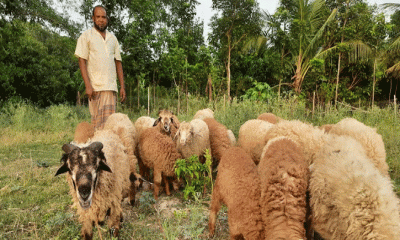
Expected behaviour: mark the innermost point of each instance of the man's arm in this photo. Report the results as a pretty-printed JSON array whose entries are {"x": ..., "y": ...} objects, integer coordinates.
[
  {"x": 120, "y": 74},
  {"x": 85, "y": 76}
]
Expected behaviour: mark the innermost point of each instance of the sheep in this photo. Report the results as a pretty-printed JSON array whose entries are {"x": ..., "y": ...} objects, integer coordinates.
[
  {"x": 158, "y": 152},
  {"x": 326, "y": 127},
  {"x": 350, "y": 198},
  {"x": 269, "y": 117},
  {"x": 167, "y": 122},
  {"x": 219, "y": 139},
  {"x": 121, "y": 125},
  {"x": 310, "y": 138},
  {"x": 193, "y": 139},
  {"x": 99, "y": 177},
  {"x": 141, "y": 124},
  {"x": 369, "y": 139},
  {"x": 83, "y": 132},
  {"x": 204, "y": 113},
  {"x": 231, "y": 137},
  {"x": 251, "y": 137},
  {"x": 238, "y": 187},
  {"x": 284, "y": 177}
]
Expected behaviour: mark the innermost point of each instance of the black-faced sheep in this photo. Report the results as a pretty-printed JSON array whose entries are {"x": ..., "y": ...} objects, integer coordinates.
[
  {"x": 238, "y": 187},
  {"x": 350, "y": 198},
  {"x": 251, "y": 137},
  {"x": 219, "y": 139},
  {"x": 158, "y": 152},
  {"x": 167, "y": 123},
  {"x": 369, "y": 139},
  {"x": 284, "y": 177},
  {"x": 204, "y": 113},
  {"x": 99, "y": 175},
  {"x": 269, "y": 117},
  {"x": 193, "y": 139}
]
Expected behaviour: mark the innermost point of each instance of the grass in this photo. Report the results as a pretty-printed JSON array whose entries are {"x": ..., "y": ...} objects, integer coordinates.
[{"x": 36, "y": 205}]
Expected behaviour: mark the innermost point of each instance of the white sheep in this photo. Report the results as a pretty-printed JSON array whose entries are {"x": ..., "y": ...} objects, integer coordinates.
[
  {"x": 369, "y": 139},
  {"x": 98, "y": 173},
  {"x": 350, "y": 198},
  {"x": 204, "y": 113},
  {"x": 193, "y": 138},
  {"x": 251, "y": 137},
  {"x": 158, "y": 152},
  {"x": 231, "y": 137}
]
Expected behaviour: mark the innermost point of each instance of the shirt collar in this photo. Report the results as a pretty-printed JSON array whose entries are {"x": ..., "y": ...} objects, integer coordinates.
[{"x": 97, "y": 32}]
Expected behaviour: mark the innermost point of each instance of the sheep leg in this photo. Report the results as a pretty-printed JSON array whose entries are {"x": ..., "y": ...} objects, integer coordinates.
[
  {"x": 157, "y": 182},
  {"x": 215, "y": 207},
  {"x": 166, "y": 182},
  {"x": 114, "y": 222},
  {"x": 87, "y": 230},
  {"x": 132, "y": 190}
]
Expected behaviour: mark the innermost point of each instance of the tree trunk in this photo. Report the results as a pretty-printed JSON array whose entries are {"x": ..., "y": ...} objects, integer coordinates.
[
  {"x": 228, "y": 69},
  {"x": 337, "y": 79},
  {"x": 209, "y": 87},
  {"x": 373, "y": 83},
  {"x": 138, "y": 92},
  {"x": 297, "y": 76}
]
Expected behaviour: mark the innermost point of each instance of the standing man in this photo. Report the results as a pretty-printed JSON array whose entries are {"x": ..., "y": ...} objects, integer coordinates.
[{"x": 100, "y": 64}]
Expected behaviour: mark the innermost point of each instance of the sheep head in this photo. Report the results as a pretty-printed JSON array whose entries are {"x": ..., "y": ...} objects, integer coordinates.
[
  {"x": 185, "y": 133},
  {"x": 166, "y": 118},
  {"x": 84, "y": 165}
]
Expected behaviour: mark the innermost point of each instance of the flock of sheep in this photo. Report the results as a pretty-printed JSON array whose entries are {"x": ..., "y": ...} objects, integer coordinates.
[{"x": 281, "y": 179}]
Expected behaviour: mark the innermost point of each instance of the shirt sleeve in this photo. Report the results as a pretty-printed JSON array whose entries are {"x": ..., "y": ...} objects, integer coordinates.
[
  {"x": 117, "y": 52},
  {"x": 82, "y": 47}
]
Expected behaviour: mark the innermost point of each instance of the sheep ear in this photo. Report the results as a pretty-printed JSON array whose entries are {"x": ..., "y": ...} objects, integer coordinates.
[
  {"x": 103, "y": 166},
  {"x": 68, "y": 148},
  {"x": 64, "y": 168},
  {"x": 156, "y": 121}
]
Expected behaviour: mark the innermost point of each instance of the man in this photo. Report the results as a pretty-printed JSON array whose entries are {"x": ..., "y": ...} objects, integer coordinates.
[{"x": 100, "y": 64}]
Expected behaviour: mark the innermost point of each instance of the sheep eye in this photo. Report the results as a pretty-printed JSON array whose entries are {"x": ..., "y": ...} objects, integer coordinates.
[{"x": 172, "y": 120}]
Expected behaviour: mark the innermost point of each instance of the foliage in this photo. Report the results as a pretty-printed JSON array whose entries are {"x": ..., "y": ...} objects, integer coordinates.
[
  {"x": 260, "y": 92},
  {"x": 195, "y": 174}
]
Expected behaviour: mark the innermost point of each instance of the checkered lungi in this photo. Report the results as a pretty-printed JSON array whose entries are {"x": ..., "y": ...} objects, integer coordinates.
[{"x": 101, "y": 106}]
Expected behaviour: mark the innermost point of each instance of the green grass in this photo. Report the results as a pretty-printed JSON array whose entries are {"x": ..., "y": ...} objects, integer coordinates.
[{"x": 36, "y": 205}]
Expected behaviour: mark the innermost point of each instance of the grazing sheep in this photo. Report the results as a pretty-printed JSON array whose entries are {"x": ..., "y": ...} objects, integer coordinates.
[
  {"x": 158, "y": 152},
  {"x": 251, "y": 137},
  {"x": 284, "y": 177},
  {"x": 141, "y": 124},
  {"x": 369, "y": 139},
  {"x": 193, "y": 139},
  {"x": 99, "y": 177},
  {"x": 238, "y": 187},
  {"x": 310, "y": 138},
  {"x": 269, "y": 117},
  {"x": 219, "y": 139},
  {"x": 231, "y": 137},
  {"x": 167, "y": 122},
  {"x": 350, "y": 198},
  {"x": 326, "y": 127},
  {"x": 204, "y": 113},
  {"x": 83, "y": 132},
  {"x": 121, "y": 125}
]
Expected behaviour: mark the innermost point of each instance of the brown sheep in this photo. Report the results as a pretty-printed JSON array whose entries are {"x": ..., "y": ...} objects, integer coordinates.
[
  {"x": 238, "y": 187},
  {"x": 158, "y": 152},
  {"x": 167, "y": 123},
  {"x": 284, "y": 175},
  {"x": 219, "y": 139},
  {"x": 269, "y": 117},
  {"x": 83, "y": 132}
]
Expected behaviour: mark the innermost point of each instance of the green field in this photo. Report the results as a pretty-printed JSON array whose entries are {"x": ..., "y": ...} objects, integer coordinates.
[{"x": 36, "y": 205}]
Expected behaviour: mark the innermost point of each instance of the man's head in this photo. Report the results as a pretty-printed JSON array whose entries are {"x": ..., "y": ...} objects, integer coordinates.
[{"x": 100, "y": 19}]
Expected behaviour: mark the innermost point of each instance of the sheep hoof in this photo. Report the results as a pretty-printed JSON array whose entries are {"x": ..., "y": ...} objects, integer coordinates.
[
  {"x": 132, "y": 202},
  {"x": 114, "y": 232}
]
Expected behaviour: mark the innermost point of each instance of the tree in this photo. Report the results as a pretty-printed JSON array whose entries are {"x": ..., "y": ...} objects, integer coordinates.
[{"x": 235, "y": 21}]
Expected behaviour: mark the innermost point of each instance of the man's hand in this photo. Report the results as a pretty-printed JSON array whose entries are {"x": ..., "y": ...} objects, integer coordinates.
[
  {"x": 122, "y": 94},
  {"x": 89, "y": 92}
]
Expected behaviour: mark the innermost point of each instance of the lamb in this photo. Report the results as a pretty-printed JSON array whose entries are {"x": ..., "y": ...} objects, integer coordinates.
[
  {"x": 158, "y": 152},
  {"x": 251, "y": 137},
  {"x": 219, "y": 140},
  {"x": 193, "y": 139},
  {"x": 238, "y": 187},
  {"x": 204, "y": 113},
  {"x": 350, "y": 198},
  {"x": 167, "y": 122},
  {"x": 83, "y": 132},
  {"x": 369, "y": 139},
  {"x": 269, "y": 117},
  {"x": 99, "y": 177},
  {"x": 310, "y": 138},
  {"x": 284, "y": 175}
]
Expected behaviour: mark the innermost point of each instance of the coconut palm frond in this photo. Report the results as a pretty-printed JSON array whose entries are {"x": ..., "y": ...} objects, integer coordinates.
[
  {"x": 393, "y": 6},
  {"x": 255, "y": 43},
  {"x": 395, "y": 69},
  {"x": 360, "y": 50},
  {"x": 324, "y": 54}
]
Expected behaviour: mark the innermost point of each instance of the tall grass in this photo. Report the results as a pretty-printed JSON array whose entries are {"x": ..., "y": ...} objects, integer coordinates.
[{"x": 35, "y": 205}]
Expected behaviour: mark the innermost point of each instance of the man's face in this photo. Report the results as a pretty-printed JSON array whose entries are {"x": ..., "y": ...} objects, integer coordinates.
[{"x": 100, "y": 19}]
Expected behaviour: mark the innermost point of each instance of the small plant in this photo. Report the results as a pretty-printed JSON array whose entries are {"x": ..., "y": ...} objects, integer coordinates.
[{"x": 196, "y": 175}]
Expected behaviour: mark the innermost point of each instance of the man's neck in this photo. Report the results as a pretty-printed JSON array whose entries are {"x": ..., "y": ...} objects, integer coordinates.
[{"x": 102, "y": 33}]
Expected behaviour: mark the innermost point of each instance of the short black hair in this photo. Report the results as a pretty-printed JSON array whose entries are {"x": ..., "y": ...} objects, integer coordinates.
[{"x": 97, "y": 7}]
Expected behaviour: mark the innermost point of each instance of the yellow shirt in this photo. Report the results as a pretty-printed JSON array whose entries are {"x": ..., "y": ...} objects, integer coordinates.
[{"x": 100, "y": 54}]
